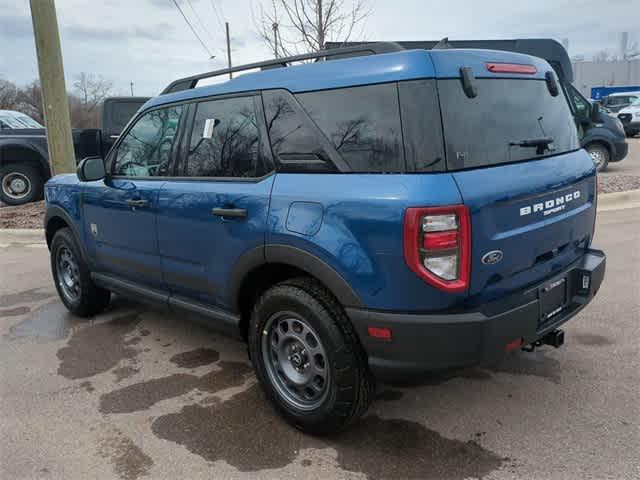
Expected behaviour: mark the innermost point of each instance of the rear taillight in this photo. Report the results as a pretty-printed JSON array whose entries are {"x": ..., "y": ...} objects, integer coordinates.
[{"x": 437, "y": 245}]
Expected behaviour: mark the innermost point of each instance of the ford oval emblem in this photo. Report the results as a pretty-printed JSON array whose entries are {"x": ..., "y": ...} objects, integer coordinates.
[{"x": 492, "y": 257}]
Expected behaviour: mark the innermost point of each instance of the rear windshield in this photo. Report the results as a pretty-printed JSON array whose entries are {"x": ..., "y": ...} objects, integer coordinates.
[{"x": 508, "y": 121}]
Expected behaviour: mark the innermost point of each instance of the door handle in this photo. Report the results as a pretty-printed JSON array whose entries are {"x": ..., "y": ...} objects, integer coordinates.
[
  {"x": 230, "y": 212},
  {"x": 138, "y": 203}
]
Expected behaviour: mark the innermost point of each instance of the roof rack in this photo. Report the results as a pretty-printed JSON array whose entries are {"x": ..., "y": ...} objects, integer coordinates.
[{"x": 376, "y": 48}]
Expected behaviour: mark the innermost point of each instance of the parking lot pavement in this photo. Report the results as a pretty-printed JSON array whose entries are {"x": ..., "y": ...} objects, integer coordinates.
[
  {"x": 139, "y": 393},
  {"x": 630, "y": 165}
]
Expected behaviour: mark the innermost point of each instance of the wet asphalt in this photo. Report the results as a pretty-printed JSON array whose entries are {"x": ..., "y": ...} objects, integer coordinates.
[{"x": 141, "y": 393}]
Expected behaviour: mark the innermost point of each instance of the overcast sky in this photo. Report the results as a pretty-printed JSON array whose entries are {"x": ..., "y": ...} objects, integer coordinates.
[{"x": 149, "y": 43}]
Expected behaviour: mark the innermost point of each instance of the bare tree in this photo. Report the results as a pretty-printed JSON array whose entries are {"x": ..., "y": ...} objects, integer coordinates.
[
  {"x": 92, "y": 89},
  {"x": 8, "y": 95},
  {"x": 295, "y": 26},
  {"x": 30, "y": 101}
]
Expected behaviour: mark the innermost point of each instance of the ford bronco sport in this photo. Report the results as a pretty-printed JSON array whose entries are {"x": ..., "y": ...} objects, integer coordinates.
[{"x": 384, "y": 215}]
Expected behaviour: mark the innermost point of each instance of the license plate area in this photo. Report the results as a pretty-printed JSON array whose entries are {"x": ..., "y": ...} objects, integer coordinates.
[{"x": 553, "y": 298}]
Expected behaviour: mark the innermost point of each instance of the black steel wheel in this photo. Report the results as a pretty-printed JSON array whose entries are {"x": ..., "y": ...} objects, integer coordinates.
[
  {"x": 308, "y": 358},
  {"x": 72, "y": 278}
]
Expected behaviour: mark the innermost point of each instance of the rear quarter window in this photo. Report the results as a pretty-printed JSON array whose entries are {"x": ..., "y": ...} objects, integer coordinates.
[
  {"x": 362, "y": 123},
  {"x": 485, "y": 130}
]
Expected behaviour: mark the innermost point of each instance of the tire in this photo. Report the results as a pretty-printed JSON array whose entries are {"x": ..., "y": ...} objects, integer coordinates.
[
  {"x": 600, "y": 156},
  {"x": 20, "y": 183},
  {"x": 347, "y": 387},
  {"x": 72, "y": 279}
]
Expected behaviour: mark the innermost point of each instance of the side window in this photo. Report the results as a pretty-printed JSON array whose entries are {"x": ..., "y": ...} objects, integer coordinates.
[
  {"x": 422, "y": 126},
  {"x": 582, "y": 106},
  {"x": 145, "y": 150},
  {"x": 293, "y": 139},
  {"x": 225, "y": 140},
  {"x": 362, "y": 123}
]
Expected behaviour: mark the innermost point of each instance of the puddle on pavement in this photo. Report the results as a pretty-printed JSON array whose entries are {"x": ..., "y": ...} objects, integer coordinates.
[
  {"x": 124, "y": 372},
  {"x": 141, "y": 396},
  {"x": 195, "y": 358},
  {"x": 246, "y": 433},
  {"x": 129, "y": 461},
  {"x": 26, "y": 296},
  {"x": 13, "y": 312},
  {"x": 51, "y": 321},
  {"x": 98, "y": 348},
  {"x": 536, "y": 363}
]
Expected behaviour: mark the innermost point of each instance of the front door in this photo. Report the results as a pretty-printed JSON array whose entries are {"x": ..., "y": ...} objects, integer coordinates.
[
  {"x": 120, "y": 211},
  {"x": 215, "y": 210}
]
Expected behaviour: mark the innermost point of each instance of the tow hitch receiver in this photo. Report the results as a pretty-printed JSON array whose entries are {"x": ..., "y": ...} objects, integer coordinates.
[{"x": 554, "y": 338}]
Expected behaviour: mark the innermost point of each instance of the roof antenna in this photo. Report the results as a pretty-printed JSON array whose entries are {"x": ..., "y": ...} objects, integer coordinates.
[{"x": 442, "y": 44}]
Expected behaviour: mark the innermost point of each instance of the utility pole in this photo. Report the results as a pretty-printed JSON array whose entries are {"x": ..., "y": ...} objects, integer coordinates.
[
  {"x": 275, "y": 39},
  {"x": 54, "y": 91},
  {"x": 131, "y": 85},
  {"x": 226, "y": 26}
]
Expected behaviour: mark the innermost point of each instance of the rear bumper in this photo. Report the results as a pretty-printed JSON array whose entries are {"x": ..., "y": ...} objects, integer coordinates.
[
  {"x": 429, "y": 342},
  {"x": 633, "y": 126}
]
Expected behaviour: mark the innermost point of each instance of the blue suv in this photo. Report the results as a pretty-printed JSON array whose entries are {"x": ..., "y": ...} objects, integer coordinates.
[{"x": 379, "y": 212}]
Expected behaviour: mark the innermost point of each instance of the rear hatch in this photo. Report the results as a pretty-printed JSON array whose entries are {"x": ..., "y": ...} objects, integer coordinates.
[{"x": 513, "y": 150}]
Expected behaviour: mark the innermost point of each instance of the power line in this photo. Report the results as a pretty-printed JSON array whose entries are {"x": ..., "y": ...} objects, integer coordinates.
[
  {"x": 193, "y": 29},
  {"x": 215, "y": 10},
  {"x": 205, "y": 29}
]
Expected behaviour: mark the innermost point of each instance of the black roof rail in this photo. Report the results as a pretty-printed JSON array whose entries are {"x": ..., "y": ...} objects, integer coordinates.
[{"x": 375, "y": 48}]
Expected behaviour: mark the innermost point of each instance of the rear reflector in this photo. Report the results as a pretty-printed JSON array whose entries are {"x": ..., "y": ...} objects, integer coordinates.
[
  {"x": 511, "y": 68},
  {"x": 513, "y": 345},
  {"x": 380, "y": 333}
]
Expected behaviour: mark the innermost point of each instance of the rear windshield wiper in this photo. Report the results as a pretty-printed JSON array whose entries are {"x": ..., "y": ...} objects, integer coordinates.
[{"x": 541, "y": 144}]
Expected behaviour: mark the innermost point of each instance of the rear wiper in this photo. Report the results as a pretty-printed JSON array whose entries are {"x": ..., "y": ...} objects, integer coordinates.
[{"x": 541, "y": 144}]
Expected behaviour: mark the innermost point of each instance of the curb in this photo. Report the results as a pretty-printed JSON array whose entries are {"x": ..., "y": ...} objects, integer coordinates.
[
  {"x": 619, "y": 200},
  {"x": 30, "y": 237}
]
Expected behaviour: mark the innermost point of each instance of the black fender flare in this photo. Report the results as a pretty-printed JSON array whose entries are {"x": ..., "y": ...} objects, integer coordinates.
[
  {"x": 54, "y": 211},
  {"x": 43, "y": 155},
  {"x": 294, "y": 257}
]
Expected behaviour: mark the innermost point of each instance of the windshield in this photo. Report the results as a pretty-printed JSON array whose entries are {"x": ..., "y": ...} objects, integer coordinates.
[
  {"x": 18, "y": 120},
  {"x": 509, "y": 120}
]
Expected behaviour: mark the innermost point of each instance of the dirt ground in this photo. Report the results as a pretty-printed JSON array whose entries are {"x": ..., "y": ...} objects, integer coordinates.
[{"x": 30, "y": 215}]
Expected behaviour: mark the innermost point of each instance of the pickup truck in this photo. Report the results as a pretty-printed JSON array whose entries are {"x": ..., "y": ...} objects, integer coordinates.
[{"x": 24, "y": 157}]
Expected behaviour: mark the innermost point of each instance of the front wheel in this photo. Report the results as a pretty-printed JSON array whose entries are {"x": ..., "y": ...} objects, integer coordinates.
[
  {"x": 72, "y": 278},
  {"x": 600, "y": 156},
  {"x": 308, "y": 358}
]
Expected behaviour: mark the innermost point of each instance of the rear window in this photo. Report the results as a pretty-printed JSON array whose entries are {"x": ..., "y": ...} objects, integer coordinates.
[{"x": 500, "y": 123}]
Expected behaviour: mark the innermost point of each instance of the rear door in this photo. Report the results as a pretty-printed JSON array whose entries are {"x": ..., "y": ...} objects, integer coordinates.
[
  {"x": 120, "y": 211},
  {"x": 215, "y": 207},
  {"x": 514, "y": 153}
]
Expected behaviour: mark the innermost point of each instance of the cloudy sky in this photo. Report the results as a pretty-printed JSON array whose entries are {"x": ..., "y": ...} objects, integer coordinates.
[{"x": 147, "y": 42}]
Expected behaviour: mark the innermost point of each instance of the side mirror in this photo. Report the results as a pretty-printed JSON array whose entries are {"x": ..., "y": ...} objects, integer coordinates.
[
  {"x": 91, "y": 169},
  {"x": 595, "y": 112}
]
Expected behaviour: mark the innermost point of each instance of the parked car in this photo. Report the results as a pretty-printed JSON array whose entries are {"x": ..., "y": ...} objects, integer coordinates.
[
  {"x": 381, "y": 216},
  {"x": 24, "y": 157},
  {"x": 617, "y": 101},
  {"x": 600, "y": 134},
  {"x": 630, "y": 118}
]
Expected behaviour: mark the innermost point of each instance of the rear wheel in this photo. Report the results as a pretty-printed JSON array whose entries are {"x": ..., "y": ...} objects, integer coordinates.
[
  {"x": 72, "y": 278},
  {"x": 308, "y": 358},
  {"x": 600, "y": 156},
  {"x": 20, "y": 183}
]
